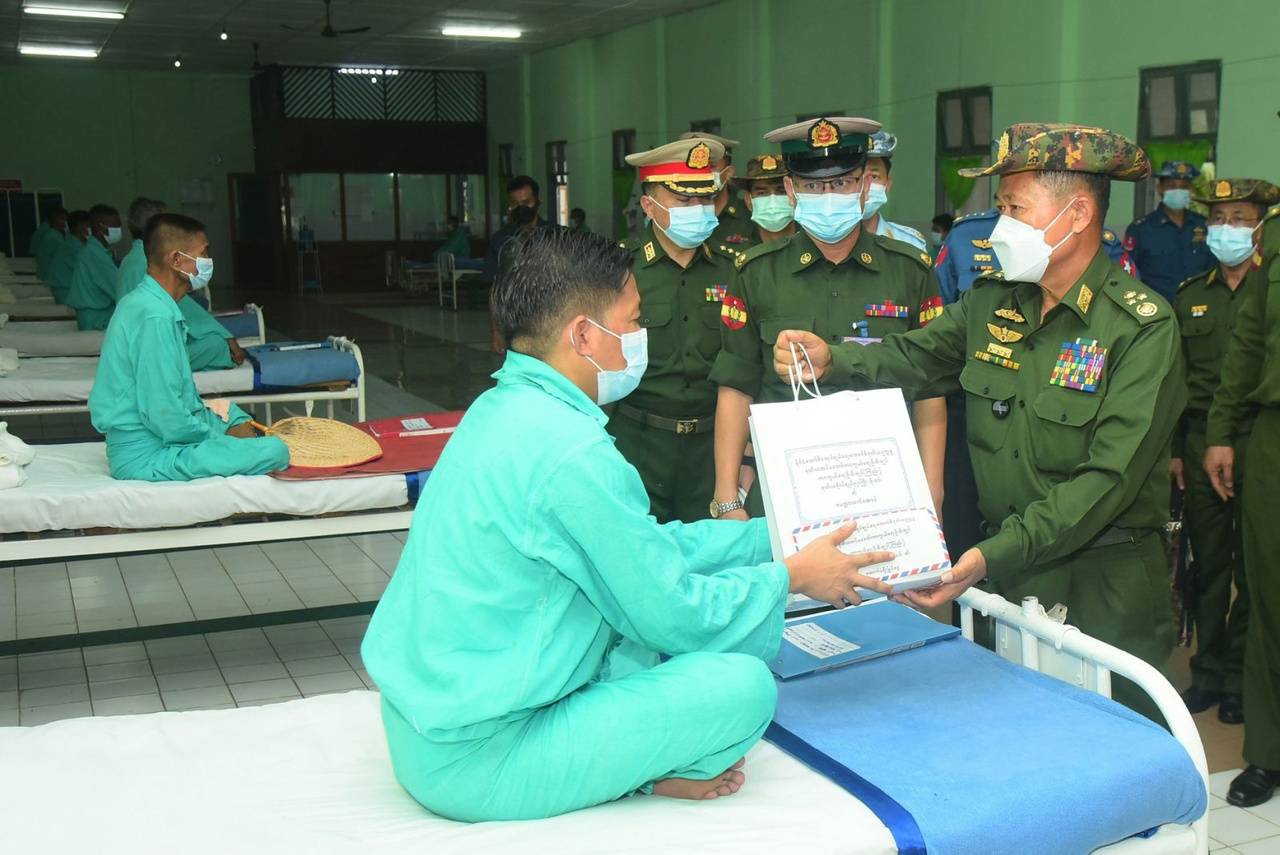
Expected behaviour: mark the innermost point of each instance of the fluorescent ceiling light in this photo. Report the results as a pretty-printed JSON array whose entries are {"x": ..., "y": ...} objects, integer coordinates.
[
  {"x": 74, "y": 12},
  {"x": 58, "y": 50},
  {"x": 477, "y": 32}
]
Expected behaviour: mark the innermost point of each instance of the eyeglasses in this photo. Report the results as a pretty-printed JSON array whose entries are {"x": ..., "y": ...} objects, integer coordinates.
[
  {"x": 843, "y": 184},
  {"x": 1238, "y": 220}
]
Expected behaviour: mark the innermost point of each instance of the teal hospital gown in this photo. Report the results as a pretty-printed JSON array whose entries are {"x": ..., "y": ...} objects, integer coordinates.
[
  {"x": 206, "y": 338},
  {"x": 93, "y": 286},
  {"x": 144, "y": 400},
  {"x": 45, "y": 244},
  {"x": 517, "y": 645},
  {"x": 62, "y": 267}
]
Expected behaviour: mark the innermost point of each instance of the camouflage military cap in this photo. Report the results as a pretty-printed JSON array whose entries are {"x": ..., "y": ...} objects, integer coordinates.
[
  {"x": 1044, "y": 146},
  {"x": 1240, "y": 190},
  {"x": 762, "y": 168},
  {"x": 1178, "y": 169}
]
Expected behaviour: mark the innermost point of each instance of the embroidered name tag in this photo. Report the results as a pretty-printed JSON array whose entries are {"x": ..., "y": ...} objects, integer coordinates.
[
  {"x": 887, "y": 310},
  {"x": 1079, "y": 365}
]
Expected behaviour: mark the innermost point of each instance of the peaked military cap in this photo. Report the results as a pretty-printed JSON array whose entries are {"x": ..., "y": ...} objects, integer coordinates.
[
  {"x": 825, "y": 147},
  {"x": 1049, "y": 146},
  {"x": 762, "y": 168},
  {"x": 684, "y": 166},
  {"x": 727, "y": 143}
]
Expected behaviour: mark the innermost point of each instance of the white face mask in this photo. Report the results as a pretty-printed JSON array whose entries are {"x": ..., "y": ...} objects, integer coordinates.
[
  {"x": 1022, "y": 250},
  {"x": 114, "y": 233},
  {"x": 613, "y": 386}
]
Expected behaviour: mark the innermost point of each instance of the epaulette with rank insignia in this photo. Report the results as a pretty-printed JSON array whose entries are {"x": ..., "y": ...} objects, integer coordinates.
[
  {"x": 732, "y": 253},
  {"x": 1192, "y": 279},
  {"x": 1144, "y": 305},
  {"x": 631, "y": 244},
  {"x": 904, "y": 248},
  {"x": 761, "y": 249},
  {"x": 991, "y": 277}
]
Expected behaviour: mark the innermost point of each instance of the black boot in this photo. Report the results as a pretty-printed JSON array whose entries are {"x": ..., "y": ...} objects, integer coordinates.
[
  {"x": 1230, "y": 709},
  {"x": 1198, "y": 700},
  {"x": 1253, "y": 786}
]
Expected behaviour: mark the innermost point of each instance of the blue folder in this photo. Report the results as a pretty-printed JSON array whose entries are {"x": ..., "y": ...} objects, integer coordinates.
[{"x": 875, "y": 629}]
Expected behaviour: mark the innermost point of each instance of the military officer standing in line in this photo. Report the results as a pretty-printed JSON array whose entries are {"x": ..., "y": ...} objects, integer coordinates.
[
  {"x": 1074, "y": 383},
  {"x": 1206, "y": 307},
  {"x": 1168, "y": 245},
  {"x": 1250, "y": 387},
  {"x": 833, "y": 278},
  {"x": 879, "y": 165},
  {"x": 734, "y": 228},
  {"x": 665, "y": 428},
  {"x": 765, "y": 195}
]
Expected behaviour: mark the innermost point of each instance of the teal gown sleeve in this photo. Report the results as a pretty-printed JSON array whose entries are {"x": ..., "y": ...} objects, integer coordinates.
[
  {"x": 207, "y": 348},
  {"x": 709, "y": 545},
  {"x": 594, "y": 524}
]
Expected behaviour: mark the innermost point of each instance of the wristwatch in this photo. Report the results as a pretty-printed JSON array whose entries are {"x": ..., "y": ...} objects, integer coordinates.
[{"x": 718, "y": 509}]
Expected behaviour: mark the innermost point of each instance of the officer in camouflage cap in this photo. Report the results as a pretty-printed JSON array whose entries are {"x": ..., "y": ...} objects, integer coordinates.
[
  {"x": 1206, "y": 307},
  {"x": 665, "y": 427},
  {"x": 1250, "y": 393},
  {"x": 1073, "y": 379},
  {"x": 735, "y": 230},
  {"x": 765, "y": 195}
]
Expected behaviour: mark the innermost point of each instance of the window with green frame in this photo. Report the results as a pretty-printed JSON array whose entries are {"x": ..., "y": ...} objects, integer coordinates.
[
  {"x": 964, "y": 140},
  {"x": 1177, "y": 119}
]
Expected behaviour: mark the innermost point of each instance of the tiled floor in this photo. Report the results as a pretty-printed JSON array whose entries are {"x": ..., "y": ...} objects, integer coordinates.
[{"x": 1241, "y": 831}]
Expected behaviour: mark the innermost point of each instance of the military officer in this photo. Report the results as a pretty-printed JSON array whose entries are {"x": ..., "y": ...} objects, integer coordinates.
[
  {"x": 1168, "y": 245},
  {"x": 765, "y": 195},
  {"x": 834, "y": 278},
  {"x": 1073, "y": 376},
  {"x": 666, "y": 427},
  {"x": 879, "y": 164},
  {"x": 1250, "y": 387},
  {"x": 1206, "y": 308},
  {"x": 735, "y": 228}
]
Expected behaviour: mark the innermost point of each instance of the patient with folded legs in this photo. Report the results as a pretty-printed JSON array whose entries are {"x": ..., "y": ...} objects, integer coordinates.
[{"x": 545, "y": 645}]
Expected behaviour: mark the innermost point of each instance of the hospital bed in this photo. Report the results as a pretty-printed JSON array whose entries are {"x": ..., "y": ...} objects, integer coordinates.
[
  {"x": 22, "y": 290},
  {"x": 64, "y": 338},
  {"x": 314, "y": 775},
  {"x": 37, "y": 310},
  {"x": 53, "y": 385}
]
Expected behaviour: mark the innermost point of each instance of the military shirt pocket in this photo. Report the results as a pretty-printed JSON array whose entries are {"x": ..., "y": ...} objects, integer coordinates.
[
  {"x": 989, "y": 393},
  {"x": 771, "y": 328},
  {"x": 1194, "y": 327},
  {"x": 1064, "y": 428},
  {"x": 656, "y": 318}
]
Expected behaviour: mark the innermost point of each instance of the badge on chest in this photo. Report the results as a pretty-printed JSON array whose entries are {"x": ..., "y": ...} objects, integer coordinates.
[
  {"x": 1199, "y": 311},
  {"x": 1079, "y": 365},
  {"x": 716, "y": 293}
]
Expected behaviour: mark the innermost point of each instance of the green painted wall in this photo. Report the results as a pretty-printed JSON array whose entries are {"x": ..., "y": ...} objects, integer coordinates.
[
  {"x": 109, "y": 136},
  {"x": 755, "y": 64}
]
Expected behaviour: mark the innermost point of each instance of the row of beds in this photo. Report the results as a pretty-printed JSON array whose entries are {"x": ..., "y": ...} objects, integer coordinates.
[{"x": 314, "y": 775}]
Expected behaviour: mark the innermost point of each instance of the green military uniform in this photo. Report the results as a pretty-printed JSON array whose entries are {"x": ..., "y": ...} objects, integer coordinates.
[
  {"x": 735, "y": 232},
  {"x": 769, "y": 170},
  {"x": 666, "y": 427},
  {"x": 1251, "y": 382},
  {"x": 1069, "y": 419}
]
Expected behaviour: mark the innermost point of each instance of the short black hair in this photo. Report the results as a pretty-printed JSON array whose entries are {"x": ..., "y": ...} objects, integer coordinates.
[
  {"x": 554, "y": 275},
  {"x": 578, "y": 212},
  {"x": 944, "y": 221},
  {"x": 100, "y": 212},
  {"x": 164, "y": 229},
  {"x": 55, "y": 211},
  {"x": 1064, "y": 182},
  {"x": 76, "y": 219},
  {"x": 522, "y": 181}
]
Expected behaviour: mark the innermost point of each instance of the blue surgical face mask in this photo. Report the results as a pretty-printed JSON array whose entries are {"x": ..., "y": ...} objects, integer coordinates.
[
  {"x": 690, "y": 225},
  {"x": 1230, "y": 244},
  {"x": 829, "y": 217},
  {"x": 204, "y": 272},
  {"x": 772, "y": 213},
  {"x": 876, "y": 197},
  {"x": 1176, "y": 200},
  {"x": 613, "y": 386}
]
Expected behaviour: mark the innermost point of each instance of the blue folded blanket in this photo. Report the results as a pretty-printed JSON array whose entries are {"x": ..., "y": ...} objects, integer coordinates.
[
  {"x": 289, "y": 364},
  {"x": 959, "y": 751},
  {"x": 240, "y": 325}
]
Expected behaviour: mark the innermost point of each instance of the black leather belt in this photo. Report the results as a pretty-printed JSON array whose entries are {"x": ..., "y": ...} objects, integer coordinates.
[{"x": 682, "y": 427}]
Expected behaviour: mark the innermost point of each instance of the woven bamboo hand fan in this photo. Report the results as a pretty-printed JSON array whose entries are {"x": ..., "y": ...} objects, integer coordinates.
[{"x": 323, "y": 443}]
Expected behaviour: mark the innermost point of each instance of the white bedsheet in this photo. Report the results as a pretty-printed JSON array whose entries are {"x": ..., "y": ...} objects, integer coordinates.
[
  {"x": 62, "y": 379},
  {"x": 34, "y": 291},
  {"x": 36, "y": 339},
  {"x": 314, "y": 776},
  {"x": 70, "y": 487},
  {"x": 36, "y": 309}
]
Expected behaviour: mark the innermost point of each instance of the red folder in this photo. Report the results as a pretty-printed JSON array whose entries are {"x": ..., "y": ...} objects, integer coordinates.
[{"x": 407, "y": 446}]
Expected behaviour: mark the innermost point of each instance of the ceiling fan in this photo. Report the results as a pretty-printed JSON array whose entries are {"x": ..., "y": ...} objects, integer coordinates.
[{"x": 328, "y": 32}]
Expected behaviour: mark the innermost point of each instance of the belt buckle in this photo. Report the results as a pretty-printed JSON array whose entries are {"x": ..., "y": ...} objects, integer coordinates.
[{"x": 686, "y": 426}]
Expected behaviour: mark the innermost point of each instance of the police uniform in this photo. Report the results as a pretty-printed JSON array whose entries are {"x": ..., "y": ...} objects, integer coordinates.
[
  {"x": 1206, "y": 308},
  {"x": 881, "y": 144},
  {"x": 1069, "y": 418},
  {"x": 666, "y": 427},
  {"x": 736, "y": 232},
  {"x": 764, "y": 167},
  {"x": 1250, "y": 388},
  {"x": 1166, "y": 253},
  {"x": 882, "y": 287}
]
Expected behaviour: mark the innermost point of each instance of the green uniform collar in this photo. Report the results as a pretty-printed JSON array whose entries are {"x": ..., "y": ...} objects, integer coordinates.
[
  {"x": 805, "y": 253},
  {"x": 1082, "y": 296},
  {"x": 651, "y": 251},
  {"x": 520, "y": 368}
]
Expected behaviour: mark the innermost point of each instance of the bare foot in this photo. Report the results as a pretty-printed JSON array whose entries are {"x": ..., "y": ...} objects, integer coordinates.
[{"x": 725, "y": 784}]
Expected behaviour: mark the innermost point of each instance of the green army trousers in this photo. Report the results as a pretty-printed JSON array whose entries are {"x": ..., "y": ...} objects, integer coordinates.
[
  {"x": 1262, "y": 569},
  {"x": 678, "y": 470},
  {"x": 1215, "y": 530},
  {"x": 1118, "y": 594}
]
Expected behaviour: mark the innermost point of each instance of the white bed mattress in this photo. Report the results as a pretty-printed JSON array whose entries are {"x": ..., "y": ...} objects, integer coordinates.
[
  {"x": 69, "y": 379},
  {"x": 314, "y": 776},
  {"x": 22, "y": 291},
  {"x": 70, "y": 487},
  {"x": 34, "y": 339}
]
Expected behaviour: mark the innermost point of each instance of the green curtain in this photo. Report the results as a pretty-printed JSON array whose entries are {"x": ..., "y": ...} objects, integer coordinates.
[{"x": 957, "y": 186}]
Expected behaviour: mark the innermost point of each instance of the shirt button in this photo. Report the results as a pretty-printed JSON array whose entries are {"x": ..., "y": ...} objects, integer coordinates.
[
  {"x": 1015, "y": 454},
  {"x": 1022, "y": 403},
  {"x": 986, "y": 390},
  {"x": 1063, "y": 417},
  {"x": 1031, "y": 347},
  {"x": 1012, "y": 509},
  {"x": 835, "y": 338},
  {"x": 686, "y": 317}
]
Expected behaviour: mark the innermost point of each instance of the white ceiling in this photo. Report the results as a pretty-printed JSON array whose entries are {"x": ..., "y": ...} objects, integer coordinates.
[{"x": 404, "y": 32}]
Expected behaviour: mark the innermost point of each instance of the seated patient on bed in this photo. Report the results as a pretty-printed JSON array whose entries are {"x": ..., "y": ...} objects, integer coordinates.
[
  {"x": 93, "y": 282},
  {"x": 517, "y": 646},
  {"x": 144, "y": 398},
  {"x": 209, "y": 346}
]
